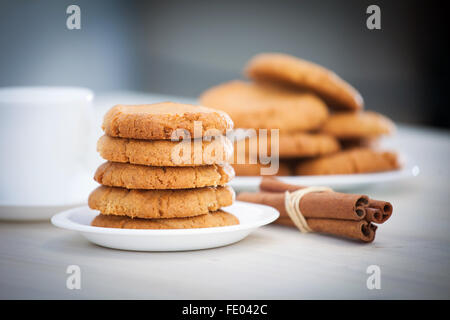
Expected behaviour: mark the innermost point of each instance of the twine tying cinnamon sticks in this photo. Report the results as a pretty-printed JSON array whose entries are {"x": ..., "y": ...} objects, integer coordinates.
[
  {"x": 292, "y": 205},
  {"x": 341, "y": 214}
]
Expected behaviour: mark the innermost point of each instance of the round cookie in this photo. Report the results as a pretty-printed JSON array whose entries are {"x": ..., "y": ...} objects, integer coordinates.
[
  {"x": 253, "y": 105},
  {"x": 298, "y": 144},
  {"x": 160, "y": 203},
  {"x": 164, "y": 153},
  {"x": 214, "y": 219},
  {"x": 161, "y": 120},
  {"x": 255, "y": 169},
  {"x": 290, "y": 145},
  {"x": 358, "y": 160},
  {"x": 133, "y": 176},
  {"x": 357, "y": 125},
  {"x": 283, "y": 68}
]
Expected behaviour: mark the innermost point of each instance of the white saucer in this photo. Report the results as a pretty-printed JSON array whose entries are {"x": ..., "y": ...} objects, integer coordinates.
[
  {"x": 339, "y": 182},
  {"x": 251, "y": 216}
]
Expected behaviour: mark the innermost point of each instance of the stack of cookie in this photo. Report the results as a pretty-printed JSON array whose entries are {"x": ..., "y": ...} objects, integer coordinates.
[
  {"x": 358, "y": 133},
  {"x": 297, "y": 115},
  {"x": 317, "y": 113},
  {"x": 161, "y": 171}
]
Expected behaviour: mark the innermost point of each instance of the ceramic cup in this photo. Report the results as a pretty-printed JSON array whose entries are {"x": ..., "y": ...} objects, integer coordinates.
[{"x": 45, "y": 141}]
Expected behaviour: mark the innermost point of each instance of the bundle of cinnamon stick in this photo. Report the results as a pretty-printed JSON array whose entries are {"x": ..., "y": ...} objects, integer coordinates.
[{"x": 341, "y": 214}]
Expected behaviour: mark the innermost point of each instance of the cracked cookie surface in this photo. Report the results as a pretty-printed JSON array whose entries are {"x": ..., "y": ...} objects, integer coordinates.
[{"x": 161, "y": 120}]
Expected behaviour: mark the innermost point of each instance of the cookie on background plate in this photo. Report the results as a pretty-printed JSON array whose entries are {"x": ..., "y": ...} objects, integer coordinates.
[
  {"x": 255, "y": 169},
  {"x": 164, "y": 153},
  {"x": 358, "y": 160},
  {"x": 214, "y": 219},
  {"x": 133, "y": 176},
  {"x": 160, "y": 203},
  {"x": 283, "y": 68},
  {"x": 351, "y": 143},
  {"x": 357, "y": 125},
  {"x": 160, "y": 120},
  {"x": 253, "y": 105},
  {"x": 293, "y": 144}
]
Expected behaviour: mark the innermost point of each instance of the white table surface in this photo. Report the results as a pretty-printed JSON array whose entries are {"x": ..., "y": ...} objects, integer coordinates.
[{"x": 412, "y": 250}]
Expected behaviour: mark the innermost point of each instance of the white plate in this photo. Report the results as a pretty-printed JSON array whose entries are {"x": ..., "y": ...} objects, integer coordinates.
[
  {"x": 339, "y": 182},
  {"x": 251, "y": 216}
]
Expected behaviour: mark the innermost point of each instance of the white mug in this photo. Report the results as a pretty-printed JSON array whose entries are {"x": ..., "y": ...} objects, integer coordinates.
[{"x": 45, "y": 141}]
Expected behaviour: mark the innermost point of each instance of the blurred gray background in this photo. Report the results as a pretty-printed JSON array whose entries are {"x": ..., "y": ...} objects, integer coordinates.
[{"x": 184, "y": 47}]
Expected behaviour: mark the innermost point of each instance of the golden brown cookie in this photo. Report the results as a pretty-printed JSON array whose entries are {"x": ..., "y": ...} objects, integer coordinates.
[
  {"x": 356, "y": 125},
  {"x": 134, "y": 176},
  {"x": 359, "y": 160},
  {"x": 294, "y": 144},
  {"x": 290, "y": 145},
  {"x": 252, "y": 105},
  {"x": 160, "y": 120},
  {"x": 255, "y": 169},
  {"x": 283, "y": 68},
  {"x": 371, "y": 143},
  {"x": 164, "y": 153},
  {"x": 160, "y": 203},
  {"x": 298, "y": 144},
  {"x": 214, "y": 219}
]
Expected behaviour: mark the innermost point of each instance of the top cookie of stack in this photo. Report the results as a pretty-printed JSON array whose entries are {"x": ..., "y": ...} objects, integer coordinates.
[{"x": 162, "y": 180}]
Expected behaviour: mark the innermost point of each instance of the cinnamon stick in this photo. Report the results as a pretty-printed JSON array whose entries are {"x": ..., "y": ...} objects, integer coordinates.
[
  {"x": 376, "y": 211},
  {"x": 379, "y": 211},
  {"x": 340, "y": 214},
  {"x": 358, "y": 230},
  {"x": 331, "y": 205}
]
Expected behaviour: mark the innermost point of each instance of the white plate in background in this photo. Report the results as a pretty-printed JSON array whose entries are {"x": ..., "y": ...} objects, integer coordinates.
[
  {"x": 251, "y": 216},
  {"x": 339, "y": 182}
]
